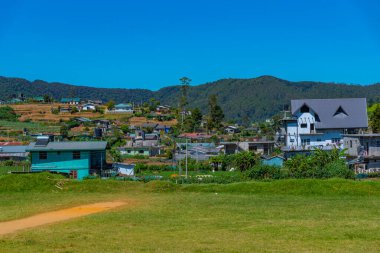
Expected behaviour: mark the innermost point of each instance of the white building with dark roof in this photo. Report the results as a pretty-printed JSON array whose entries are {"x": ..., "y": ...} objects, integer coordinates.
[{"x": 322, "y": 122}]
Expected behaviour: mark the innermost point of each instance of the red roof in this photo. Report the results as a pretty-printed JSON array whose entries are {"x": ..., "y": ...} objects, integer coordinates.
[
  {"x": 11, "y": 143},
  {"x": 195, "y": 135}
]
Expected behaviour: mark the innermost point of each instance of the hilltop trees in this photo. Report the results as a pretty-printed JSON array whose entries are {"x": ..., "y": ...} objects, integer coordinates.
[
  {"x": 374, "y": 117},
  {"x": 216, "y": 114},
  {"x": 193, "y": 121},
  {"x": 185, "y": 84}
]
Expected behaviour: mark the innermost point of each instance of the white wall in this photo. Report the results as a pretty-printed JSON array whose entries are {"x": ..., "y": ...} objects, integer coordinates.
[{"x": 296, "y": 135}]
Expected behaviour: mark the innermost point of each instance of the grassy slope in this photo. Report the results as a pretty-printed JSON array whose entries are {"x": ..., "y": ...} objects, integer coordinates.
[{"x": 284, "y": 216}]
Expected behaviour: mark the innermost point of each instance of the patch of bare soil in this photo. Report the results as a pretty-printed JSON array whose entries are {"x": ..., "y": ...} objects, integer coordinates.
[{"x": 56, "y": 216}]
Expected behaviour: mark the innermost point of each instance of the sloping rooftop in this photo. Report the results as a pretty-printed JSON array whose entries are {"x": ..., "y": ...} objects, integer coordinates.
[
  {"x": 67, "y": 100},
  {"x": 336, "y": 113},
  {"x": 69, "y": 145},
  {"x": 123, "y": 106},
  {"x": 13, "y": 149}
]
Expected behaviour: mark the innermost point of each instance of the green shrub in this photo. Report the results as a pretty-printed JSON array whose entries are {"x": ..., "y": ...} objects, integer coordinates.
[
  {"x": 7, "y": 113},
  {"x": 320, "y": 164},
  {"x": 339, "y": 169},
  {"x": 9, "y": 163},
  {"x": 373, "y": 174},
  {"x": 140, "y": 167},
  {"x": 263, "y": 171}
]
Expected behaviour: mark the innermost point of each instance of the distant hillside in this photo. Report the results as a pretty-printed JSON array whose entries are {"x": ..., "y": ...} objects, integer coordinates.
[{"x": 256, "y": 98}]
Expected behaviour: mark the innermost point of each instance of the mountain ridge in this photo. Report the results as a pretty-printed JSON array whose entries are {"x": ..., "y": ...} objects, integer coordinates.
[{"x": 241, "y": 99}]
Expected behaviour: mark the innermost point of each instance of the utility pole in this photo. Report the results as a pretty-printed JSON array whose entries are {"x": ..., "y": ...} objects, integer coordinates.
[{"x": 186, "y": 158}]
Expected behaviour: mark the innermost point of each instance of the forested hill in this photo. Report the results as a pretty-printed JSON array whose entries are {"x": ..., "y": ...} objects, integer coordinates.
[{"x": 256, "y": 98}]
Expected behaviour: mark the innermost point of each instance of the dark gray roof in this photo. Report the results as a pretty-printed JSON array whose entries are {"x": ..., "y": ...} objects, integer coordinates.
[
  {"x": 355, "y": 112},
  {"x": 152, "y": 125},
  {"x": 69, "y": 145}
]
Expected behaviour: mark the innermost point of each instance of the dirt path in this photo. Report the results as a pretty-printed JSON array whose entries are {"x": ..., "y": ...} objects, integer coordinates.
[{"x": 55, "y": 216}]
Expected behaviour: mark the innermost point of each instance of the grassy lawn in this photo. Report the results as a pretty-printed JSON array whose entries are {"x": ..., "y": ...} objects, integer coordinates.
[{"x": 279, "y": 216}]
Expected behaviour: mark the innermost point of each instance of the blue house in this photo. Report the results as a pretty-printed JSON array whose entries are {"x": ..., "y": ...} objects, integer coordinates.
[{"x": 78, "y": 159}]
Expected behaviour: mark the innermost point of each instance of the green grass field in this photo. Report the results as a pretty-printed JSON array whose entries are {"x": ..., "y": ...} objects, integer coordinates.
[
  {"x": 279, "y": 216},
  {"x": 6, "y": 169},
  {"x": 33, "y": 127}
]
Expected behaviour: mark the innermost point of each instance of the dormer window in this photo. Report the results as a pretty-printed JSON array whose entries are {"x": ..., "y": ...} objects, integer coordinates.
[
  {"x": 305, "y": 108},
  {"x": 340, "y": 112}
]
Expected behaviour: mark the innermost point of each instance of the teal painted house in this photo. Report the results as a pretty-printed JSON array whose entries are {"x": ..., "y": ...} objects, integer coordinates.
[{"x": 78, "y": 159}]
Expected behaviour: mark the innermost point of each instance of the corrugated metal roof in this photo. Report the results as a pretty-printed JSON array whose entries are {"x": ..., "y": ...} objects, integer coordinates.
[
  {"x": 355, "y": 109},
  {"x": 69, "y": 145},
  {"x": 13, "y": 149},
  {"x": 123, "y": 105}
]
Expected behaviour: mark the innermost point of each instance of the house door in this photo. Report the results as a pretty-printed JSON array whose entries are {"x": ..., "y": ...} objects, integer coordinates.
[
  {"x": 74, "y": 174},
  {"x": 312, "y": 128}
]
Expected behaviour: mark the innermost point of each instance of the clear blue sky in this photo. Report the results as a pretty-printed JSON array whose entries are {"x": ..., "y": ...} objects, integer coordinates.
[{"x": 151, "y": 44}]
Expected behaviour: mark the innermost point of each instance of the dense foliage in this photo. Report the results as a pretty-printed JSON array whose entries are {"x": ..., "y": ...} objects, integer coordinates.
[
  {"x": 374, "y": 117},
  {"x": 7, "y": 113},
  {"x": 321, "y": 164}
]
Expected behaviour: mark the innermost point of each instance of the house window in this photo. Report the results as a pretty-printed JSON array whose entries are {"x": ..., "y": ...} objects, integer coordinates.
[
  {"x": 76, "y": 155},
  {"x": 128, "y": 151},
  {"x": 252, "y": 148},
  {"x": 304, "y": 125},
  {"x": 335, "y": 140},
  {"x": 319, "y": 140},
  {"x": 141, "y": 151},
  {"x": 340, "y": 111},
  {"x": 312, "y": 127},
  {"x": 378, "y": 144},
  {"x": 43, "y": 155},
  {"x": 350, "y": 144},
  {"x": 305, "y": 108},
  {"x": 305, "y": 141}
]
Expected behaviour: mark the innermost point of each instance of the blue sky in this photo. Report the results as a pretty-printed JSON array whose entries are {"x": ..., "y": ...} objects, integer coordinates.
[{"x": 151, "y": 44}]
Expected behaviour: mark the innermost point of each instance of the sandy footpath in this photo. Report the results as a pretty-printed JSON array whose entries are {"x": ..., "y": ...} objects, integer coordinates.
[{"x": 56, "y": 216}]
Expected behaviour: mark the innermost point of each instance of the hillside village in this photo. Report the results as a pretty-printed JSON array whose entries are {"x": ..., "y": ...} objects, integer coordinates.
[{"x": 83, "y": 138}]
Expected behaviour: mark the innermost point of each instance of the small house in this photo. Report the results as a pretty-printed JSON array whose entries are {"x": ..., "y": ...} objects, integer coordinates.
[
  {"x": 78, "y": 159},
  {"x": 123, "y": 108},
  {"x": 264, "y": 147},
  {"x": 124, "y": 169},
  {"x": 365, "y": 150},
  {"x": 10, "y": 152},
  {"x": 38, "y": 99},
  {"x": 71, "y": 101},
  {"x": 232, "y": 130},
  {"x": 163, "y": 109},
  {"x": 140, "y": 150},
  {"x": 88, "y": 107}
]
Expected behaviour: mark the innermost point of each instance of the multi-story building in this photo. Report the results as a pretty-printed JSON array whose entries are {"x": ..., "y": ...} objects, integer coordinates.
[{"x": 322, "y": 122}]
